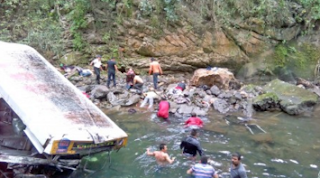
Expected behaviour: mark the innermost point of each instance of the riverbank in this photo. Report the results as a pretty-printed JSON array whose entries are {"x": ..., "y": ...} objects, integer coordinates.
[{"x": 215, "y": 88}]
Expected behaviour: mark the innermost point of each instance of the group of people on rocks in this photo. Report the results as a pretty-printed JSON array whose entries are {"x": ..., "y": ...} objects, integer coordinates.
[
  {"x": 132, "y": 80},
  {"x": 190, "y": 147}
]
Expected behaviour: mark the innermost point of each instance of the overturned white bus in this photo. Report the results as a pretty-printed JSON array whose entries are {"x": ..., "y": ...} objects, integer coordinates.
[{"x": 44, "y": 119}]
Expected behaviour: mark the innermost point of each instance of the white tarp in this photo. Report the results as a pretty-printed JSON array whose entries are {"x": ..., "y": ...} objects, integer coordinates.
[{"x": 48, "y": 104}]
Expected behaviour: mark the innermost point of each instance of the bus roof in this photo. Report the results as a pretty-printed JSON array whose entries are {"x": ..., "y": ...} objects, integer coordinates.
[{"x": 50, "y": 106}]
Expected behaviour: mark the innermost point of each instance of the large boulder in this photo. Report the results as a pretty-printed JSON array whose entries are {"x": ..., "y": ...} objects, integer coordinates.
[
  {"x": 220, "y": 77},
  {"x": 293, "y": 100},
  {"x": 132, "y": 100},
  {"x": 99, "y": 92},
  {"x": 266, "y": 102}
]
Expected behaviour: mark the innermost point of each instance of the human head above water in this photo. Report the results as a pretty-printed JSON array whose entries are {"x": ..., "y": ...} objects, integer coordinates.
[
  {"x": 204, "y": 160},
  {"x": 194, "y": 132},
  {"x": 162, "y": 146},
  {"x": 237, "y": 155},
  {"x": 236, "y": 158},
  {"x": 152, "y": 59}
]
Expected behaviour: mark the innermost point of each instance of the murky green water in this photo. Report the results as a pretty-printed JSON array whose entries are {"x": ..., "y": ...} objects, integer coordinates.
[{"x": 290, "y": 148}]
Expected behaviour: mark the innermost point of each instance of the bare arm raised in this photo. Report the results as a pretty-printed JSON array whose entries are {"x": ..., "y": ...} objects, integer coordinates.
[{"x": 149, "y": 153}]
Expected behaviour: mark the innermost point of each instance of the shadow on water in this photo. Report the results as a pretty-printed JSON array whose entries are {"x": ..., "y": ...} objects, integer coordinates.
[{"x": 289, "y": 148}]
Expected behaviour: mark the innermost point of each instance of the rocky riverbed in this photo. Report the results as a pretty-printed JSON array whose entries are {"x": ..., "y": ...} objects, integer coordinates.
[{"x": 207, "y": 89}]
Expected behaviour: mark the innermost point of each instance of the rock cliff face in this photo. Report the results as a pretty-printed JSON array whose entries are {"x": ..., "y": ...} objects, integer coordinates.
[
  {"x": 188, "y": 34},
  {"x": 203, "y": 36}
]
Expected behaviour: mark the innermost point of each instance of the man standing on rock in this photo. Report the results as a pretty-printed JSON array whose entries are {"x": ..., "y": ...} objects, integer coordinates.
[
  {"x": 237, "y": 170},
  {"x": 111, "y": 68},
  {"x": 97, "y": 67},
  {"x": 155, "y": 69}
]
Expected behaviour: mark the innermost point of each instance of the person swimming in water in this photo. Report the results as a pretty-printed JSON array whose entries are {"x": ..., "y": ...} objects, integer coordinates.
[{"x": 161, "y": 156}]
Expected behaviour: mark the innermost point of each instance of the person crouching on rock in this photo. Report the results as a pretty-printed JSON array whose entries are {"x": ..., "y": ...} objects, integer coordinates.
[
  {"x": 149, "y": 97},
  {"x": 137, "y": 83},
  {"x": 164, "y": 107}
]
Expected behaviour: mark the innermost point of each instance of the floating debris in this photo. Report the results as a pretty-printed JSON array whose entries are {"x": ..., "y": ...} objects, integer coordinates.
[
  {"x": 313, "y": 166},
  {"x": 225, "y": 152},
  {"x": 278, "y": 160},
  {"x": 294, "y": 161},
  {"x": 259, "y": 164}
]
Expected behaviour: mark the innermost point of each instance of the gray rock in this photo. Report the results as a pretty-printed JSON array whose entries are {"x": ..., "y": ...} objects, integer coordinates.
[
  {"x": 221, "y": 105},
  {"x": 200, "y": 111},
  {"x": 293, "y": 100},
  {"x": 77, "y": 78},
  {"x": 99, "y": 92},
  {"x": 85, "y": 88},
  {"x": 225, "y": 95},
  {"x": 185, "y": 109},
  {"x": 208, "y": 92},
  {"x": 215, "y": 90},
  {"x": 132, "y": 100},
  {"x": 173, "y": 107},
  {"x": 87, "y": 80}
]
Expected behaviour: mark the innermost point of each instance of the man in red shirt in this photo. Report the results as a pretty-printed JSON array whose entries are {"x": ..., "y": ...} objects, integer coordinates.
[
  {"x": 164, "y": 107},
  {"x": 194, "y": 121}
]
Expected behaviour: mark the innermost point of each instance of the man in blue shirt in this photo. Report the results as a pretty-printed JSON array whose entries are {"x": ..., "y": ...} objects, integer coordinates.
[
  {"x": 237, "y": 170},
  {"x": 111, "y": 68},
  {"x": 203, "y": 169}
]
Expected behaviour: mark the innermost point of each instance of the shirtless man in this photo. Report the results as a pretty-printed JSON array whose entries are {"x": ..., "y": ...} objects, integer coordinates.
[
  {"x": 155, "y": 69},
  {"x": 137, "y": 83},
  {"x": 161, "y": 156}
]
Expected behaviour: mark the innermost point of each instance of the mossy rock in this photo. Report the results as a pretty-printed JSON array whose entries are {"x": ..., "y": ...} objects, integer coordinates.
[
  {"x": 250, "y": 88},
  {"x": 266, "y": 102},
  {"x": 269, "y": 95},
  {"x": 293, "y": 100},
  {"x": 70, "y": 58}
]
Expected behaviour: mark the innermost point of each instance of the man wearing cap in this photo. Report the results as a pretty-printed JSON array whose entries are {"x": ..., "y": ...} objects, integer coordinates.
[{"x": 97, "y": 67}]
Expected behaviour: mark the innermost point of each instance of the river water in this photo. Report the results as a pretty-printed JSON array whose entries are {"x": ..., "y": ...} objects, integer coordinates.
[{"x": 289, "y": 148}]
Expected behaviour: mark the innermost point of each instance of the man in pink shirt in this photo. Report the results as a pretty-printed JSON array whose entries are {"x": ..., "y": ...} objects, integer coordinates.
[{"x": 194, "y": 121}]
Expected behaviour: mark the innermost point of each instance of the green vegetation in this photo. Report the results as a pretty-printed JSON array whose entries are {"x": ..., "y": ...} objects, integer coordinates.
[
  {"x": 299, "y": 59},
  {"x": 55, "y": 25}
]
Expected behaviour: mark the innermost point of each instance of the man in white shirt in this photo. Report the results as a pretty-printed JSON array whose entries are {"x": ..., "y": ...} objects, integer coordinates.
[
  {"x": 149, "y": 97},
  {"x": 97, "y": 67}
]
